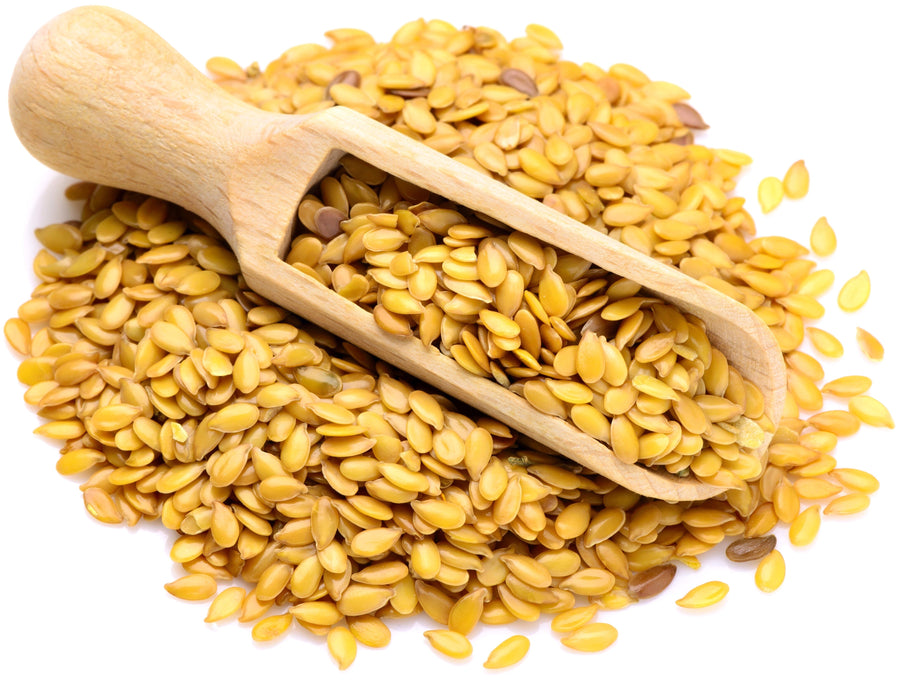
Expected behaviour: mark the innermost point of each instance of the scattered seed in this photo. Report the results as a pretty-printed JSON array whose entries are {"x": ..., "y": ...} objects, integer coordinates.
[
  {"x": 856, "y": 480},
  {"x": 591, "y": 638},
  {"x": 704, "y": 595},
  {"x": 770, "y": 193},
  {"x": 342, "y": 646},
  {"x": 450, "y": 643},
  {"x": 847, "y": 386},
  {"x": 508, "y": 652},
  {"x": 689, "y": 116},
  {"x": 272, "y": 627},
  {"x": 855, "y": 292},
  {"x": 853, "y": 502},
  {"x": 18, "y": 335},
  {"x": 805, "y": 527},
  {"x": 815, "y": 488},
  {"x": 226, "y": 68},
  {"x": 822, "y": 240},
  {"x": 870, "y": 346},
  {"x": 869, "y": 410},
  {"x": 816, "y": 283},
  {"x": 225, "y": 604},
  {"x": 369, "y": 630},
  {"x": 770, "y": 572},
  {"x": 796, "y": 181},
  {"x": 100, "y": 504},
  {"x": 841, "y": 423},
  {"x": 61, "y": 430},
  {"x": 750, "y": 548},
  {"x": 196, "y": 587},
  {"x": 825, "y": 342}
]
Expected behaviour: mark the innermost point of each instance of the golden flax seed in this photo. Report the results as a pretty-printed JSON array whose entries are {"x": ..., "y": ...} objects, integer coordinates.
[
  {"x": 770, "y": 572},
  {"x": 870, "y": 346},
  {"x": 855, "y": 292},
  {"x": 508, "y": 652},
  {"x": 342, "y": 646},
  {"x": 805, "y": 527},
  {"x": 592, "y": 637},
  {"x": 870, "y": 411},
  {"x": 856, "y": 480},
  {"x": 226, "y": 604},
  {"x": 704, "y": 595},
  {"x": 369, "y": 631},
  {"x": 796, "y": 181},
  {"x": 195, "y": 587},
  {"x": 822, "y": 239},
  {"x": 450, "y": 643},
  {"x": 825, "y": 342},
  {"x": 271, "y": 628},
  {"x": 815, "y": 488},
  {"x": 770, "y": 193},
  {"x": 847, "y": 386},
  {"x": 466, "y": 612},
  {"x": 852, "y": 502}
]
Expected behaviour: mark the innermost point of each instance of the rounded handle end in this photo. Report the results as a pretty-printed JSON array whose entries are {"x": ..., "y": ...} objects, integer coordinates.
[{"x": 99, "y": 96}]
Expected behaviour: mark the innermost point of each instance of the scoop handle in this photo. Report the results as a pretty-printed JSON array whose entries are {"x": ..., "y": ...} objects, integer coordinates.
[{"x": 99, "y": 96}]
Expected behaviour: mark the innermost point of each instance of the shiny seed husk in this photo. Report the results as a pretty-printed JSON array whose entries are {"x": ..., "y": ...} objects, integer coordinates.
[
  {"x": 651, "y": 582},
  {"x": 847, "y": 386},
  {"x": 508, "y": 652},
  {"x": 18, "y": 335},
  {"x": 195, "y": 587},
  {"x": 822, "y": 239},
  {"x": 805, "y": 527},
  {"x": 466, "y": 612},
  {"x": 369, "y": 630},
  {"x": 855, "y": 292},
  {"x": 342, "y": 646},
  {"x": 689, "y": 116},
  {"x": 704, "y": 595},
  {"x": 870, "y": 411},
  {"x": 796, "y": 181},
  {"x": 750, "y": 548},
  {"x": 853, "y": 502},
  {"x": 272, "y": 627},
  {"x": 837, "y": 421},
  {"x": 855, "y": 479},
  {"x": 770, "y": 193},
  {"x": 518, "y": 79},
  {"x": 825, "y": 342},
  {"x": 770, "y": 572},
  {"x": 450, "y": 643},
  {"x": 591, "y": 638},
  {"x": 574, "y": 618},
  {"x": 226, "y": 604},
  {"x": 870, "y": 346}
]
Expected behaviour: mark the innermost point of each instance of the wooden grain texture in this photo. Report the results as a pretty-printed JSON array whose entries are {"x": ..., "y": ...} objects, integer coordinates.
[{"x": 99, "y": 96}]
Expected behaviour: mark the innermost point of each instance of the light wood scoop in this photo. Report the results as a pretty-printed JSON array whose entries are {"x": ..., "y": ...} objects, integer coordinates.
[{"x": 98, "y": 96}]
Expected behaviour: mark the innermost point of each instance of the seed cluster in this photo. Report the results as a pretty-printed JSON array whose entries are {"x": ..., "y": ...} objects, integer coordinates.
[
  {"x": 339, "y": 493},
  {"x": 575, "y": 341}
]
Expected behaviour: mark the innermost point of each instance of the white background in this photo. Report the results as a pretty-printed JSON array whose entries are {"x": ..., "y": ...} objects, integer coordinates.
[{"x": 778, "y": 80}]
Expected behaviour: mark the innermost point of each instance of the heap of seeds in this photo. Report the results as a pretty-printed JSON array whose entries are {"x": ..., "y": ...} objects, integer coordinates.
[
  {"x": 575, "y": 341},
  {"x": 338, "y": 493}
]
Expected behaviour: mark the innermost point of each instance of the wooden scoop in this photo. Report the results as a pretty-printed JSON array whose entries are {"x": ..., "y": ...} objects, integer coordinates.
[{"x": 98, "y": 96}]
